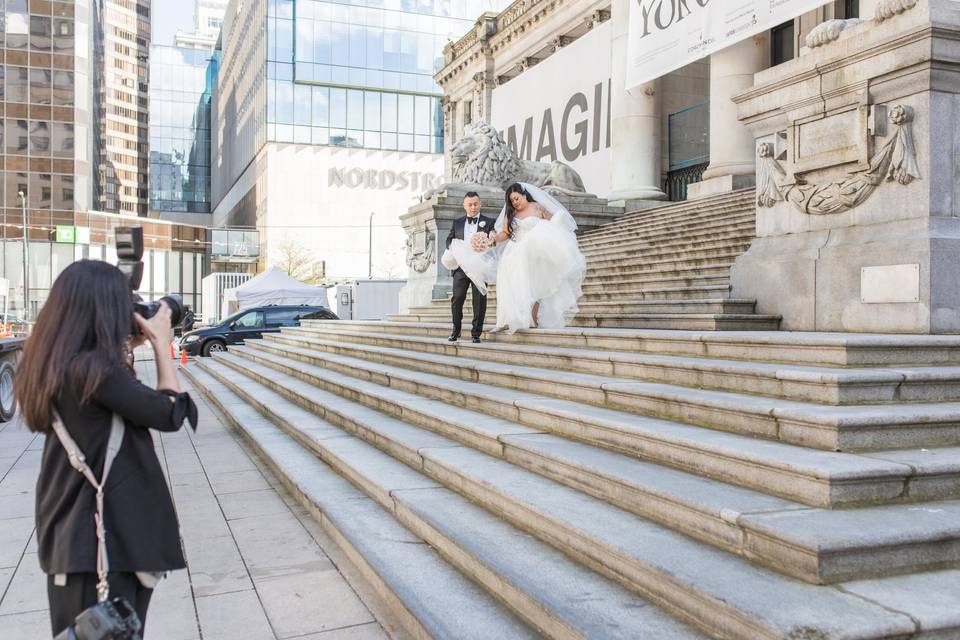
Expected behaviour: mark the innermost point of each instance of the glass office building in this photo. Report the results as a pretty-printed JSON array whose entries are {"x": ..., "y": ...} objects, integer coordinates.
[
  {"x": 360, "y": 74},
  {"x": 181, "y": 83}
]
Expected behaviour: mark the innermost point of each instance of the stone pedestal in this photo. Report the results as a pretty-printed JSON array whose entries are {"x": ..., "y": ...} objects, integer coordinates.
[
  {"x": 428, "y": 224},
  {"x": 731, "y": 143},
  {"x": 858, "y": 214},
  {"x": 636, "y": 120}
]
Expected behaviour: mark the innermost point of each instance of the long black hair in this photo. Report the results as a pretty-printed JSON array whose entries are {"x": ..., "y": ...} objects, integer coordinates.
[
  {"x": 516, "y": 187},
  {"x": 81, "y": 333}
]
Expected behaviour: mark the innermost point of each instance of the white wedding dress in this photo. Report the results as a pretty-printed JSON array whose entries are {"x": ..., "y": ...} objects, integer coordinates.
[{"x": 541, "y": 263}]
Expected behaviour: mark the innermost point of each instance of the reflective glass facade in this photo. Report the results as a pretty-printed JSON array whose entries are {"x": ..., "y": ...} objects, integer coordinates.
[
  {"x": 360, "y": 73},
  {"x": 181, "y": 83}
]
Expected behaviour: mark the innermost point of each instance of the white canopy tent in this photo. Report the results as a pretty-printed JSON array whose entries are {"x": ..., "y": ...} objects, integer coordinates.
[{"x": 273, "y": 286}]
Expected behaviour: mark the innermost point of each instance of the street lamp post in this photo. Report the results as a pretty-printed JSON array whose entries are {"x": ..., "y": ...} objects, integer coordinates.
[
  {"x": 26, "y": 257},
  {"x": 370, "y": 250}
]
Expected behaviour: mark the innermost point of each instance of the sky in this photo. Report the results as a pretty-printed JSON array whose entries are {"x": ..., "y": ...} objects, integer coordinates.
[{"x": 168, "y": 16}]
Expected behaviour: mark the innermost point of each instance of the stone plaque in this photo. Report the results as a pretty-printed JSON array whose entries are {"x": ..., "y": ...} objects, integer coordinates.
[
  {"x": 828, "y": 141},
  {"x": 419, "y": 242},
  {"x": 890, "y": 283}
]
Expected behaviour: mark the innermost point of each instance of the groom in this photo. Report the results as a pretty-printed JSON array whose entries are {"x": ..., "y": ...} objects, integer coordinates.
[{"x": 463, "y": 229}]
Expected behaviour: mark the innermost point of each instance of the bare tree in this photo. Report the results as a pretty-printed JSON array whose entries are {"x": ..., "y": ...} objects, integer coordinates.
[{"x": 299, "y": 263}]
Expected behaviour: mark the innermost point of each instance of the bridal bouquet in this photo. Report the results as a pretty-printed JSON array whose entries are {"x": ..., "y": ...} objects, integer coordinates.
[{"x": 480, "y": 241}]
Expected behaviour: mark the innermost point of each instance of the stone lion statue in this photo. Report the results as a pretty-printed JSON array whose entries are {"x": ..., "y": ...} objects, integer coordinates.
[{"x": 481, "y": 157}]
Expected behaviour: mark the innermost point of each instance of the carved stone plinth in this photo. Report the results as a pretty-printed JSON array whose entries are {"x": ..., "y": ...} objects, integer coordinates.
[
  {"x": 428, "y": 224},
  {"x": 858, "y": 212}
]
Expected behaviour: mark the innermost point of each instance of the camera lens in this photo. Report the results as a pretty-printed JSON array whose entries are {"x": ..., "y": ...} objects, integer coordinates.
[{"x": 175, "y": 303}]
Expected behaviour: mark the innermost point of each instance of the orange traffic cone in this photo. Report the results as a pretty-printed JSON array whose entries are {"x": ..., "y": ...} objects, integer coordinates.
[
  {"x": 173, "y": 356},
  {"x": 183, "y": 359}
]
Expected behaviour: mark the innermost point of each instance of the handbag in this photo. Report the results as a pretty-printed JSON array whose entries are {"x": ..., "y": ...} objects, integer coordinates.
[{"x": 106, "y": 619}]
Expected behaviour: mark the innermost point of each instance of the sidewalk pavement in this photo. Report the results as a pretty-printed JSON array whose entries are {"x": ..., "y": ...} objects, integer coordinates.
[{"x": 259, "y": 567}]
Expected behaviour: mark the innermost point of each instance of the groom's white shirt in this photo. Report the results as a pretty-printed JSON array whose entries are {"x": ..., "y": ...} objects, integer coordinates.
[{"x": 470, "y": 229}]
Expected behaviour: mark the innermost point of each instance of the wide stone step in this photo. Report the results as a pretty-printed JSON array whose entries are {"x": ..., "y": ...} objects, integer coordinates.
[
  {"x": 666, "y": 321},
  {"x": 710, "y": 260},
  {"x": 741, "y": 198},
  {"x": 677, "y": 215},
  {"x": 659, "y": 256},
  {"x": 825, "y": 385},
  {"x": 625, "y": 305},
  {"x": 689, "y": 231},
  {"x": 817, "y": 545},
  {"x": 669, "y": 238},
  {"x": 826, "y": 349},
  {"x": 715, "y": 590},
  {"x": 817, "y": 478},
  {"x": 719, "y": 276},
  {"x": 651, "y": 249},
  {"x": 411, "y": 576},
  {"x": 662, "y": 293}
]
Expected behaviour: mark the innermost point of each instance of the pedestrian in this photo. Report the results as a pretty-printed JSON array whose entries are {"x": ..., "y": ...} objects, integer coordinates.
[{"x": 77, "y": 368}]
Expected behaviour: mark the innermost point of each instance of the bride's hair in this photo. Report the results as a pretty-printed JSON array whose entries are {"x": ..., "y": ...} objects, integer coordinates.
[{"x": 516, "y": 187}]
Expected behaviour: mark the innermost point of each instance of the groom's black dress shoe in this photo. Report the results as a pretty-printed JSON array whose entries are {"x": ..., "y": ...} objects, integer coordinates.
[
  {"x": 476, "y": 341},
  {"x": 453, "y": 338}
]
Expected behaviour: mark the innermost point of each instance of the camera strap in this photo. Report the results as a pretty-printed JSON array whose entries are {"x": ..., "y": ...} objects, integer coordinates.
[{"x": 78, "y": 462}]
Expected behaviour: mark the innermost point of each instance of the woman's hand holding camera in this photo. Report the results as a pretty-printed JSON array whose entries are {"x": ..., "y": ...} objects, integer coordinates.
[{"x": 156, "y": 329}]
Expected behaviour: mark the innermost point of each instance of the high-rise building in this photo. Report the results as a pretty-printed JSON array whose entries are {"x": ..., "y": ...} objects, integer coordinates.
[
  {"x": 207, "y": 19},
  {"x": 44, "y": 149},
  {"x": 327, "y": 124},
  {"x": 180, "y": 89},
  {"x": 121, "y": 47}
]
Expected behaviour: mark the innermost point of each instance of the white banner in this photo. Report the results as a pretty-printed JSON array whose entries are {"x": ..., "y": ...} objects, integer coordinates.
[
  {"x": 668, "y": 34},
  {"x": 559, "y": 109}
]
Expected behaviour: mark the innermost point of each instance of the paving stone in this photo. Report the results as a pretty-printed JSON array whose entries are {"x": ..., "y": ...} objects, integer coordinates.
[
  {"x": 172, "y": 615},
  {"x": 228, "y": 616},
  {"x": 26, "y": 626},
  {"x": 932, "y": 599},
  {"x": 309, "y": 602},
  {"x": 262, "y": 503},
  {"x": 14, "y": 534},
  {"x": 369, "y": 631},
  {"x": 28, "y": 588}
]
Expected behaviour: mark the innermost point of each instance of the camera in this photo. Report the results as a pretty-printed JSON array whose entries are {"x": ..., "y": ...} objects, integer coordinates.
[
  {"x": 111, "y": 620},
  {"x": 129, "y": 241}
]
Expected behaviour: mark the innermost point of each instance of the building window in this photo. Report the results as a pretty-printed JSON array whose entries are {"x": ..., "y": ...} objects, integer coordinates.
[
  {"x": 781, "y": 43},
  {"x": 467, "y": 112},
  {"x": 851, "y": 9}
]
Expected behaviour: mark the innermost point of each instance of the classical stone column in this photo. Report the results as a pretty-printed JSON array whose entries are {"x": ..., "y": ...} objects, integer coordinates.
[
  {"x": 732, "y": 147},
  {"x": 635, "y": 120}
]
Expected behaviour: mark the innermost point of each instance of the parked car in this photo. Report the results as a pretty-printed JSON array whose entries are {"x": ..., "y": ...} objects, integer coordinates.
[{"x": 250, "y": 324}]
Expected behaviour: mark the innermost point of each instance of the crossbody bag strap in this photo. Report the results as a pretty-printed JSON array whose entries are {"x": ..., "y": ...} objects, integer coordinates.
[{"x": 78, "y": 461}]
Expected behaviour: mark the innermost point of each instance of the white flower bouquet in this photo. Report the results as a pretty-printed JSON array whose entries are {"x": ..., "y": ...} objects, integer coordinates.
[{"x": 480, "y": 241}]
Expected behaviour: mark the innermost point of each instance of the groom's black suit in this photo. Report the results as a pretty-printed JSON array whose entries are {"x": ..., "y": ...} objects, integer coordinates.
[{"x": 461, "y": 282}]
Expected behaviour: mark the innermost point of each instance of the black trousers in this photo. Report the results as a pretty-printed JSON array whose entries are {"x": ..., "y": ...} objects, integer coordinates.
[
  {"x": 80, "y": 593},
  {"x": 461, "y": 283}
]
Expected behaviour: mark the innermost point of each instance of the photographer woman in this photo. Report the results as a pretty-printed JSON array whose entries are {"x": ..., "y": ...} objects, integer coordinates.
[{"x": 78, "y": 363}]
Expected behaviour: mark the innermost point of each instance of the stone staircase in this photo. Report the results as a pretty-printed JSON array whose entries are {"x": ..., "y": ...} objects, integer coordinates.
[
  {"x": 662, "y": 268},
  {"x": 621, "y": 482}
]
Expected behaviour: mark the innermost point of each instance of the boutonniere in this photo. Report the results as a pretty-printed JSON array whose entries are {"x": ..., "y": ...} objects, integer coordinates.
[{"x": 483, "y": 223}]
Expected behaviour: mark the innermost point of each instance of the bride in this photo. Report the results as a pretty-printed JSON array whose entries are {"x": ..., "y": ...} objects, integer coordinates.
[{"x": 536, "y": 262}]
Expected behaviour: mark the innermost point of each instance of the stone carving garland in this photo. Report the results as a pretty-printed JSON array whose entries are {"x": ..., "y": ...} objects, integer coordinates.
[
  {"x": 420, "y": 258},
  {"x": 827, "y": 32},
  {"x": 897, "y": 160},
  {"x": 886, "y": 9}
]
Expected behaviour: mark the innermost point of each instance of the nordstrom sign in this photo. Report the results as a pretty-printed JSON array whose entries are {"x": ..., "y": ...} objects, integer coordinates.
[{"x": 383, "y": 179}]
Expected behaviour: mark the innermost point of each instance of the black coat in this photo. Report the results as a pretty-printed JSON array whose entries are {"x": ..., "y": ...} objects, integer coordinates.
[
  {"x": 456, "y": 231},
  {"x": 142, "y": 529}
]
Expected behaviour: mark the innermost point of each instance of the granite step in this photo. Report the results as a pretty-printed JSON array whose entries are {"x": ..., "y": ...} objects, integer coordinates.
[
  {"x": 826, "y": 349},
  {"x": 679, "y": 214},
  {"x": 661, "y": 293},
  {"x": 666, "y": 321},
  {"x": 650, "y": 248},
  {"x": 811, "y": 476},
  {"x": 668, "y": 265},
  {"x": 657, "y": 254},
  {"x": 743, "y": 197},
  {"x": 625, "y": 306},
  {"x": 707, "y": 230},
  {"x": 412, "y": 577},
  {"x": 693, "y": 237},
  {"x": 553, "y": 594},
  {"x": 720, "y": 276},
  {"x": 824, "y": 385},
  {"x": 815, "y": 545},
  {"x": 721, "y": 593}
]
